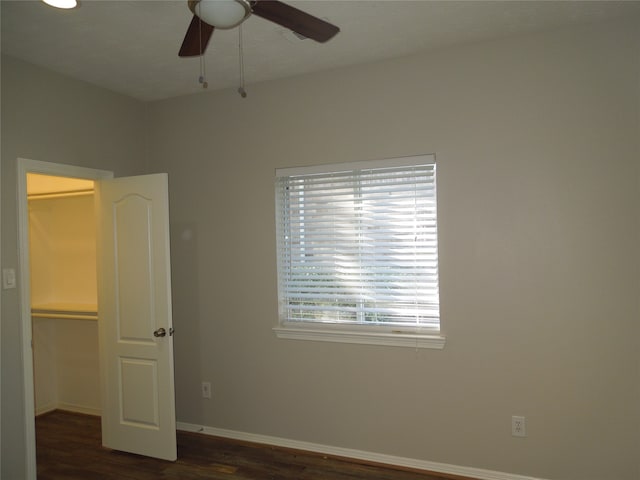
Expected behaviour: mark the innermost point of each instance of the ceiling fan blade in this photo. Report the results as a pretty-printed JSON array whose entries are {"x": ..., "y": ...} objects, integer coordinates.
[
  {"x": 294, "y": 19},
  {"x": 196, "y": 39}
]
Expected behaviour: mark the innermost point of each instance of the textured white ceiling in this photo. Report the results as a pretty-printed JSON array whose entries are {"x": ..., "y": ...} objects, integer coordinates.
[{"x": 131, "y": 47}]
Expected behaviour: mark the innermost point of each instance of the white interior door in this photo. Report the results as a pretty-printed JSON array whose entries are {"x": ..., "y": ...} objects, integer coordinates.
[{"x": 134, "y": 305}]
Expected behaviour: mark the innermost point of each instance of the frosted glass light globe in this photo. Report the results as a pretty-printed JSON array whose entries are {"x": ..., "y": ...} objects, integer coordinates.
[
  {"x": 223, "y": 13},
  {"x": 66, "y": 4}
]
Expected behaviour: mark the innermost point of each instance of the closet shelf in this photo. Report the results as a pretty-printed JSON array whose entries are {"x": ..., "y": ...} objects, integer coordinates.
[{"x": 72, "y": 311}]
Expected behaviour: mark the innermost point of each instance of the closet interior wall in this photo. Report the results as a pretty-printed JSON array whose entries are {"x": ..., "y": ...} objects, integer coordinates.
[{"x": 63, "y": 299}]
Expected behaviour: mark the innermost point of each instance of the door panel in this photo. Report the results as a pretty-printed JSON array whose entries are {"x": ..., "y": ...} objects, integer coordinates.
[
  {"x": 139, "y": 392},
  {"x": 134, "y": 268},
  {"x": 134, "y": 301}
]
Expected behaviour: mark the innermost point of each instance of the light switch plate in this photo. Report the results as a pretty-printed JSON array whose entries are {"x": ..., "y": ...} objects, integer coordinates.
[{"x": 8, "y": 278}]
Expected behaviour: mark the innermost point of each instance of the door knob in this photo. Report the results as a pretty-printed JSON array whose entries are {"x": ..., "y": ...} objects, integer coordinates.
[{"x": 161, "y": 332}]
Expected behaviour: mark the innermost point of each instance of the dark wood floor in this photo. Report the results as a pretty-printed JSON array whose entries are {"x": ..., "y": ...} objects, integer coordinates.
[{"x": 69, "y": 447}]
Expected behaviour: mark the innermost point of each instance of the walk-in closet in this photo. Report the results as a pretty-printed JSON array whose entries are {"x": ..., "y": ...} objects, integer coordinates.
[{"x": 63, "y": 293}]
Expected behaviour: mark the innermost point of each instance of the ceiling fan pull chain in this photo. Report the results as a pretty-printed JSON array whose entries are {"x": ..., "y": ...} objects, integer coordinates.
[
  {"x": 241, "y": 89},
  {"x": 203, "y": 75}
]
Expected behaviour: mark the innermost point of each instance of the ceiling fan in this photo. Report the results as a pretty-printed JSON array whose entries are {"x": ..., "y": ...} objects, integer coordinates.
[{"x": 225, "y": 14}]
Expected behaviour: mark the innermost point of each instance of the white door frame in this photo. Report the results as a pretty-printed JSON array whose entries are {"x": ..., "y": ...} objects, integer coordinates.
[{"x": 24, "y": 286}]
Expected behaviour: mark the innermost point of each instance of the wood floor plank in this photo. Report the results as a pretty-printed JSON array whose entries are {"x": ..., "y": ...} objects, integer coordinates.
[{"x": 69, "y": 448}]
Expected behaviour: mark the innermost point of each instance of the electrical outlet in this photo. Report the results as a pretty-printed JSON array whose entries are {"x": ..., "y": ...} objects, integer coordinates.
[
  {"x": 518, "y": 426},
  {"x": 206, "y": 389}
]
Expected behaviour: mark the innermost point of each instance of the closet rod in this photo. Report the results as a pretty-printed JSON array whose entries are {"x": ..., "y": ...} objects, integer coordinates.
[{"x": 44, "y": 196}]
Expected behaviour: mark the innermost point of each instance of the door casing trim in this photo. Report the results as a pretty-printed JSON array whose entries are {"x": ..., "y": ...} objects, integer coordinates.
[{"x": 25, "y": 166}]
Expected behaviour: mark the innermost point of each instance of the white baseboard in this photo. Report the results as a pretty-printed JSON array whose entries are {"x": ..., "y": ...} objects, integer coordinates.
[
  {"x": 69, "y": 407},
  {"x": 392, "y": 460},
  {"x": 41, "y": 410}
]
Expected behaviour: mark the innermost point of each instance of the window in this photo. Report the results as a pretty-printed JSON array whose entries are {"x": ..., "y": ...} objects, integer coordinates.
[{"x": 358, "y": 254}]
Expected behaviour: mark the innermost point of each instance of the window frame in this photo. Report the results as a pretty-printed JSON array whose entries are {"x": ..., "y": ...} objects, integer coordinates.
[{"x": 427, "y": 336}]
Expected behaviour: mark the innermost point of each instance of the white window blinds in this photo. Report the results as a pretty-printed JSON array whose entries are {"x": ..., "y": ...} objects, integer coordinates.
[{"x": 357, "y": 243}]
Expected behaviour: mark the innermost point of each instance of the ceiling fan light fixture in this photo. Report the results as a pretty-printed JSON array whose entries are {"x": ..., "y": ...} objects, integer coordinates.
[
  {"x": 223, "y": 14},
  {"x": 66, "y": 4}
]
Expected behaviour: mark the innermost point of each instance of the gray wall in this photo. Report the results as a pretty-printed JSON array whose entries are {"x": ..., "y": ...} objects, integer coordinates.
[
  {"x": 538, "y": 157},
  {"x": 48, "y": 117},
  {"x": 537, "y": 145}
]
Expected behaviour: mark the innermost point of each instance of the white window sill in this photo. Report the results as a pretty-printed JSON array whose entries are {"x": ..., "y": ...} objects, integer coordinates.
[{"x": 394, "y": 339}]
